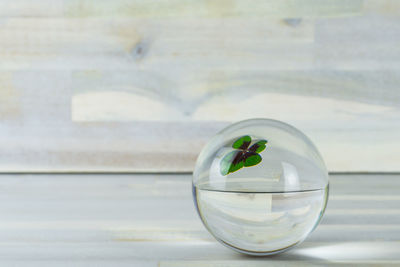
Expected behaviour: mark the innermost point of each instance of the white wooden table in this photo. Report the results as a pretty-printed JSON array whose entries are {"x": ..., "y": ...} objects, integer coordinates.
[{"x": 150, "y": 220}]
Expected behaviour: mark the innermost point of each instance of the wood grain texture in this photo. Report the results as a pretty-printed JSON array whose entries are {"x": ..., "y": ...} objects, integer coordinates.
[
  {"x": 150, "y": 220},
  {"x": 109, "y": 85},
  {"x": 175, "y": 8}
]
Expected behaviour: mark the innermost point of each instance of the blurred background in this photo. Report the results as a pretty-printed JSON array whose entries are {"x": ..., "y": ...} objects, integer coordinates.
[{"x": 140, "y": 86}]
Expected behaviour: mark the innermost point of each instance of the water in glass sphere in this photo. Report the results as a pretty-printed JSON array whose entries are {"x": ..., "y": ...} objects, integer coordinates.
[{"x": 260, "y": 187}]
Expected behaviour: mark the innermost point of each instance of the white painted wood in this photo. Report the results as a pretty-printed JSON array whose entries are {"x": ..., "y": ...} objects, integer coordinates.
[
  {"x": 109, "y": 85},
  {"x": 150, "y": 220},
  {"x": 174, "y": 8}
]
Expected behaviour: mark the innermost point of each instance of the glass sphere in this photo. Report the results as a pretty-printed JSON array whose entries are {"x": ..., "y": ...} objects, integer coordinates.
[{"x": 260, "y": 186}]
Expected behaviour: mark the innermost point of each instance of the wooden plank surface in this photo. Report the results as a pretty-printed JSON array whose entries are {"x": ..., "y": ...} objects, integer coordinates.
[
  {"x": 107, "y": 85},
  {"x": 175, "y": 8},
  {"x": 150, "y": 220}
]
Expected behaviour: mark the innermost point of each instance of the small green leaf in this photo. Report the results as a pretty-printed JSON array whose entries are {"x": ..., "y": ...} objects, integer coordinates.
[
  {"x": 258, "y": 147},
  {"x": 251, "y": 159},
  {"x": 237, "y": 166},
  {"x": 243, "y": 156},
  {"x": 226, "y": 162},
  {"x": 242, "y": 142}
]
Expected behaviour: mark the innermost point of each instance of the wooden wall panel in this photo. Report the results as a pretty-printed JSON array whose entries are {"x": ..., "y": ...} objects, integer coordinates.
[
  {"x": 130, "y": 85},
  {"x": 177, "y": 8}
]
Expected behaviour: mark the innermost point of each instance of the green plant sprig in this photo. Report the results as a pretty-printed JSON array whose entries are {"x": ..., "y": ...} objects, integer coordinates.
[{"x": 244, "y": 155}]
